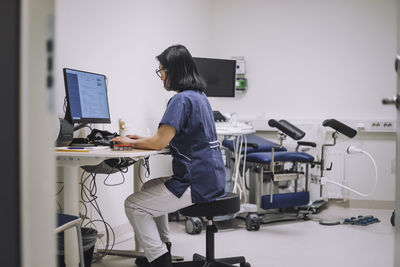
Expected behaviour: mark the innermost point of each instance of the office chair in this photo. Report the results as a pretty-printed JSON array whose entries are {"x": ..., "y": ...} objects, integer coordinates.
[
  {"x": 64, "y": 222},
  {"x": 229, "y": 204}
]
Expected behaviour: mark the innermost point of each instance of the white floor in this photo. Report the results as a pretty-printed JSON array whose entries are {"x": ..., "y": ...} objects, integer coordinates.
[{"x": 288, "y": 244}]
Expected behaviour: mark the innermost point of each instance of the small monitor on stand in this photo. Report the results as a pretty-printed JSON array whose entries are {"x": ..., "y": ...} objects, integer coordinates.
[
  {"x": 86, "y": 95},
  {"x": 219, "y": 75}
]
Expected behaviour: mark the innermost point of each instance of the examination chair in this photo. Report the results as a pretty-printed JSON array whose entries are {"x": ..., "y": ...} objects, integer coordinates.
[
  {"x": 229, "y": 204},
  {"x": 271, "y": 167},
  {"x": 266, "y": 161}
]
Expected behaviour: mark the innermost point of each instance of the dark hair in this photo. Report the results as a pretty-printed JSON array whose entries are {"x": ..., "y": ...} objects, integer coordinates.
[{"x": 181, "y": 71}]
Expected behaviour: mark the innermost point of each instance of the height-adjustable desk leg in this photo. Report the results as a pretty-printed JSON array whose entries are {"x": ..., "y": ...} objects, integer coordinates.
[{"x": 136, "y": 187}]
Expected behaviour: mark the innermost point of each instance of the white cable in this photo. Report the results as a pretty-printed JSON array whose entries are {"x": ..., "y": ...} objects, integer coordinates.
[
  {"x": 351, "y": 189},
  {"x": 237, "y": 169},
  {"x": 234, "y": 175},
  {"x": 241, "y": 178},
  {"x": 235, "y": 144},
  {"x": 238, "y": 182}
]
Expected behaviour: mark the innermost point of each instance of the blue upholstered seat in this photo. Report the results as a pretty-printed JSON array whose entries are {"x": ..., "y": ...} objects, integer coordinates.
[
  {"x": 264, "y": 145},
  {"x": 280, "y": 156}
]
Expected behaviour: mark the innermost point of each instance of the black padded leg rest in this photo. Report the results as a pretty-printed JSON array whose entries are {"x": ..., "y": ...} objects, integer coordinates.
[{"x": 226, "y": 205}]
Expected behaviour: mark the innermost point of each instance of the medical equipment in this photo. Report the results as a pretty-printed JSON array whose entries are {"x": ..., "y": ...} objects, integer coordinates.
[
  {"x": 342, "y": 128},
  {"x": 352, "y": 150},
  {"x": 266, "y": 161},
  {"x": 219, "y": 75},
  {"x": 236, "y": 132},
  {"x": 339, "y": 127}
]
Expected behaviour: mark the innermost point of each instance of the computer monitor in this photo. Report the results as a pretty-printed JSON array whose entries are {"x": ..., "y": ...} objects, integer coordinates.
[
  {"x": 219, "y": 74},
  {"x": 86, "y": 94}
]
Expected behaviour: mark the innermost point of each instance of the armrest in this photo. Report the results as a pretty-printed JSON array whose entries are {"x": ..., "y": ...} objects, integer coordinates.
[{"x": 304, "y": 143}]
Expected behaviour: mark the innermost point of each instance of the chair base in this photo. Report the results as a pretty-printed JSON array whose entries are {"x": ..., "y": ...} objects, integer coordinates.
[
  {"x": 131, "y": 254},
  {"x": 199, "y": 260}
]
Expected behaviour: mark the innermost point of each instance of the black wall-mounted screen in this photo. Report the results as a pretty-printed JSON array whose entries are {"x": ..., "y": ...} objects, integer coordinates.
[
  {"x": 87, "y": 100},
  {"x": 219, "y": 74}
]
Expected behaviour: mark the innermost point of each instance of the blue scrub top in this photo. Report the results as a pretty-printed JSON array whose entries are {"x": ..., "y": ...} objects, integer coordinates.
[{"x": 196, "y": 155}]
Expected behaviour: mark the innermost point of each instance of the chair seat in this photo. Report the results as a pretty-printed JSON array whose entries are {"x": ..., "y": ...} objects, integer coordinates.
[
  {"x": 266, "y": 157},
  {"x": 65, "y": 221},
  {"x": 228, "y": 204},
  {"x": 263, "y": 144}
]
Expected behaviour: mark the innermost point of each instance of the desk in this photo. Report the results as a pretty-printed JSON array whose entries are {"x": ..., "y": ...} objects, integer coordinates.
[{"x": 71, "y": 162}]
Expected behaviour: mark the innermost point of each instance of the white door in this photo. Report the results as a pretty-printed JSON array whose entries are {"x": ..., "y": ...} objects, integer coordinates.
[
  {"x": 37, "y": 167},
  {"x": 396, "y": 102}
]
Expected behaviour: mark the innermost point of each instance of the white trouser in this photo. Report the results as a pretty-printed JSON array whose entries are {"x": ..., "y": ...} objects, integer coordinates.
[{"x": 147, "y": 211}]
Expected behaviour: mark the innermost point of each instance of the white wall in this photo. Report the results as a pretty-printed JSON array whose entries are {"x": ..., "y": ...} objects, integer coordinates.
[
  {"x": 305, "y": 59},
  {"x": 121, "y": 40},
  {"x": 309, "y": 59}
]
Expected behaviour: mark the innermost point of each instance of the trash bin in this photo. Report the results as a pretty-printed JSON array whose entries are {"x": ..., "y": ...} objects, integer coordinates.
[{"x": 89, "y": 236}]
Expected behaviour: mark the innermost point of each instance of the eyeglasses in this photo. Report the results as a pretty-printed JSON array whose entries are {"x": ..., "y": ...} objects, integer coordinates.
[{"x": 158, "y": 72}]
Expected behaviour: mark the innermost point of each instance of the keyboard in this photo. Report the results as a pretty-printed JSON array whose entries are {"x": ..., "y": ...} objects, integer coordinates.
[{"x": 102, "y": 142}]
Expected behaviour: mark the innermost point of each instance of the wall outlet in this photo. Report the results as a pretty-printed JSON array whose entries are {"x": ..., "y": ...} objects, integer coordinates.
[
  {"x": 240, "y": 65},
  {"x": 381, "y": 125}
]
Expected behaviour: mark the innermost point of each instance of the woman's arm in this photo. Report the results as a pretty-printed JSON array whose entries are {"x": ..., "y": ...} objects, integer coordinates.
[{"x": 158, "y": 141}]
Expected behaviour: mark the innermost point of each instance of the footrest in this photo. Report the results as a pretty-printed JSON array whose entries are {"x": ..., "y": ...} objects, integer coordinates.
[{"x": 287, "y": 200}]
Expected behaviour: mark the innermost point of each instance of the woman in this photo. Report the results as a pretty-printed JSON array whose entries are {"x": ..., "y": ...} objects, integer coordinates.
[{"x": 198, "y": 169}]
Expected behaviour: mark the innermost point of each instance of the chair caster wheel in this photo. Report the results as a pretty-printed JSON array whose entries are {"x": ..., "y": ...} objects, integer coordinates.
[
  {"x": 252, "y": 222},
  {"x": 193, "y": 225}
]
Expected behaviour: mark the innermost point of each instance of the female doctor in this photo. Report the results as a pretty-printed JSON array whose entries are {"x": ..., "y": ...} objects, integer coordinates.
[{"x": 188, "y": 127}]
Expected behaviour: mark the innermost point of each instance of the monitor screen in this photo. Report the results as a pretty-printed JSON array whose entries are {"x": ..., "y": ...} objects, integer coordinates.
[
  {"x": 219, "y": 74},
  {"x": 86, "y": 97}
]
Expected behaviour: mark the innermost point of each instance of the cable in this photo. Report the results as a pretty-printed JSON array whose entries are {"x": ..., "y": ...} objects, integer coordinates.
[
  {"x": 88, "y": 195},
  {"x": 326, "y": 180},
  {"x": 238, "y": 180},
  {"x": 121, "y": 170},
  {"x": 146, "y": 165},
  {"x": 65, "y": 104},
  {"x": 62, "y": 188}
]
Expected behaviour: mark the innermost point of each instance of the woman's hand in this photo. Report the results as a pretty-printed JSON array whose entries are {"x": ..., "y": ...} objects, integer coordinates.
[
  {"x": 122, "y": 140},
  {"x": 134, "y": 136},
  {"x": 158, "y": 141}
]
